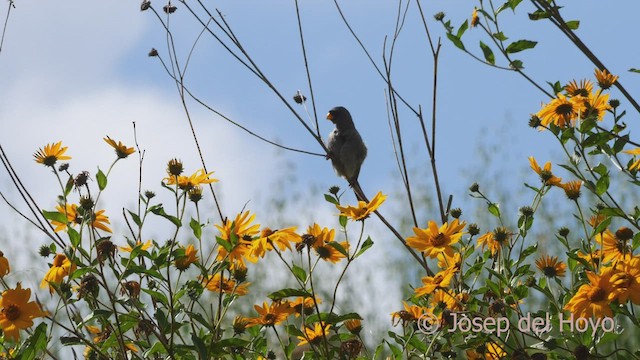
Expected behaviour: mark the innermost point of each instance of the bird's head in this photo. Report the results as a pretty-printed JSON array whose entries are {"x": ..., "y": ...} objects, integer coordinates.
[{"x": 340, "y": 116}]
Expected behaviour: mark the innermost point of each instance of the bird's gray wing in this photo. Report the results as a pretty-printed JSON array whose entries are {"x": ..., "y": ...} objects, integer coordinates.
[{"x": 352, "y": 154}]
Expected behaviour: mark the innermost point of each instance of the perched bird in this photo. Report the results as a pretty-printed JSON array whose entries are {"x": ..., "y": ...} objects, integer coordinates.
[{"x": 346, "y": 148}]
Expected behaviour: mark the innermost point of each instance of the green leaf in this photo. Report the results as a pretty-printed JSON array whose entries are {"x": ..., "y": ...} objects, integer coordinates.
[
  {"x": 299, "y": 273},
  {"x": 620, "y": 143},
  {"x": 635, "y": 70},
  {"x": 331, "y": 199},
  {"x": 285, "y": 293},
  {"x": 336, "y": 245},
  {"x": 135, "y": 217},
  {"x": 69, "y": 187},
  {"x": 55, "y": 216},
  {"x": 520, "y": 45},
  {"x": 196, "y": 227},
  {"x": 201, "y": 347},
  {"x": 365, "y": 246},
  {"x": 462, "y": 29},
  {"x": 500, "y": 36},
  {"x": 224, "y": 243},
  {"x": 516, "y": 64},
  {"x": 602, "y": 185},
  {"x": 456, "y": 41},
  {"x": 159, "y": 210},
  {"x": 342, "y": 220},
  {"x": 494, "y": 209},
  {"x": 74, "y": 236},
  {"x": 539, "y": 15},
  {"x": 488, "y": 54},
  {"x": 573, "y": 24},
  {"x": 101, "y": 178}
]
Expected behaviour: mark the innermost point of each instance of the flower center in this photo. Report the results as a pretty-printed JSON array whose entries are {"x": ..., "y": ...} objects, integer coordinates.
[
  {"x": 597, "y": 294},
  {"x": 59, "y": 260},
  {"x": 549, "y": 271},
  {"x": 439, "y": 239},
  {"x": 564, "y": 109},
  {"x": 269, "y": 319},
  {"x": 11, "y": 312},
  {"x": 50, "y": 160}
]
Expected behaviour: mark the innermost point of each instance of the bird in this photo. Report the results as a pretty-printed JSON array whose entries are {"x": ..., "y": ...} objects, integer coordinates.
[{"x": 345, "y": 147}]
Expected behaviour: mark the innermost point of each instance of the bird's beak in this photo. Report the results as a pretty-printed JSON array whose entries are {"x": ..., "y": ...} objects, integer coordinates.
[{"x": 330, "y": 116}]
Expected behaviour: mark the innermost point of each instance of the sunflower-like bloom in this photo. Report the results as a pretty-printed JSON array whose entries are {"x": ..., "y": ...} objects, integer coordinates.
[
  {"x": 281, "y": 238},
  {"x": 220, "y": 284},
  {"x": 495, "y": 240},
  {"x": 99, "y": 221},
  {"x": 441, "y": 300},
  {"x": 626, "y": 281},
  {"x": 561, "y": 111},
  {"x": 433, "y": 240},
  {"x": 635, "y": 165},
  {"x": 60, "y": 268},
  {"x": 409, "y": 314},
  {"x": 122, "y": 151},
  {"x": 189, "y": 182},
  {"x": 492, "y": 351},
  {"x": 551, "y": 267},
  {"x": 614, "y": 246},
  {"x": 50, "y": 154},
  {"x": 4, "y": 265},
  {"x": 271, "y": 314},
  {"x": 322, "y": 240},
  {"x": 450, "y": 262},
  {"x": 314, "y": 334},
  {"x": 572, "y": 189},
  {"x": 364, "y": 209},
  {"x": 143, "y": 246},
  {"x": 304, "y": 305},
  {"x": 183, "y": 262},
  {"x": 17, "y": 312},
  {"x": 440, "y": 280},
  {"x": 584, "y": 88},
  {"x": 592, "y": 258},
  {"x": 239, "y": 232},
  {"x": 592, "y": 299},
  {"x": 596, "y": 105},
  {"x": 354, "y": 326},
  {"x": 71, "y": 212},
  {"x": 475, "y": 20},
  {"x": 605, "y": 79},
  {"x": 545, "y": 173}
]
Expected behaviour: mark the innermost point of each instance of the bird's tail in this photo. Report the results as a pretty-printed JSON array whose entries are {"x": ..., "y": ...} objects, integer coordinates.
[{"x": 355, "y": 185}]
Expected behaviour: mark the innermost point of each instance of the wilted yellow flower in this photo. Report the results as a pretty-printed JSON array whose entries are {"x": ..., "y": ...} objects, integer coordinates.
[
  {"x": 475, "y": 20},
  {"x": 304, "y": 305},
  {"x": 218, "y": 283},
  {"x": 495, "y": 240},
  {"x": 546, "y": 175},
  {"x": 636, "y": 163},
  {"x": 17, "y": 312},
  {"x": 409, "y": 314},
  {"x": 364, "y": 209},
  {"x": 4, "y": 265},
  {"x": 60, "y": 268},
  {"x": 354, "y": 326},
  {"x": 183, "y": 262},
  {"x": 592, "y": 299},
  {"x": 596, "y": 104},
  {"x": 122, "y": 151},
  {"x": 433, "y": 241},
  {"x": 605, "y": 79},
  {"x": 71, "y": 212},
  {"x": 51, "y": 154},
  {"x": 572, "y": 189},
  {"x": 139, "y": 243}
]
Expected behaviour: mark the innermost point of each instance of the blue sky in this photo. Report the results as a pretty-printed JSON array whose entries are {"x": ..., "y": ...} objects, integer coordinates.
[{"x": 76, "y": 71}]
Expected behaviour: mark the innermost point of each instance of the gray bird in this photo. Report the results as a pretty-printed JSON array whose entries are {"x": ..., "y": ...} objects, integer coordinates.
[{"x": 346, "y": 148}]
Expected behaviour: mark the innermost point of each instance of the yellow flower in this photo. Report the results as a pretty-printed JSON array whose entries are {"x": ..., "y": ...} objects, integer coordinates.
[
  {"x": 614, "y": 246},
  {"x": 327, "y": 252},
  {"x": 239, "y": 232},
  {"x": 572, "y": 189},
  {"x": 596, "y": 104},
  {"x": 270, "y": 315},
  {"x": 605, "y": 79},
  {"x": 17, "y": 311},
  {"x": 319, "y": 235},
  {"x": 60, "y": 268},
  {"x": 433, "y": 241},
  {"x": 561, "y": 111},
  {"x": 410, "y": 313},
  {"x": 4, "y": 265},
  {"x": 550, "y": 266},
  {"x": 626, "y": 281},
  {"x": 218, "y": 283},
  {"x": 475, "y": 20},
  {"x": 592, "y": 299},
  {"x": 98, "y": 221},
  {"x": 282, "y": 238},
  {"x": 492, "y": 351},
  {"x": 304, "y": 305},
  {"x": 636, "y": 163},
  {"x": 321, "y": 239},
  {"x": 354, "y": 326},
  {"x": 189, "y": 182},
  {"x": 71, "y": 212},
  {"x": 440, "y": 280},
  {"x": 443, "y": 300},
  {"x": 182, "y": 263},
  {"x": 583, "y": 89},
  {"x": 450, "y": 262},
  {"x": 495, "y": 240},
  {"x": 592, "y": 257},
  {"x": 364, "y": 209},
  {"x": 51, "y": 154},
  {"x": 546, "y": 175},
  {"x": 314, "y": 334},
  {"x": 139, "y": 243},
  {"x": 122, "y": 151}
]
